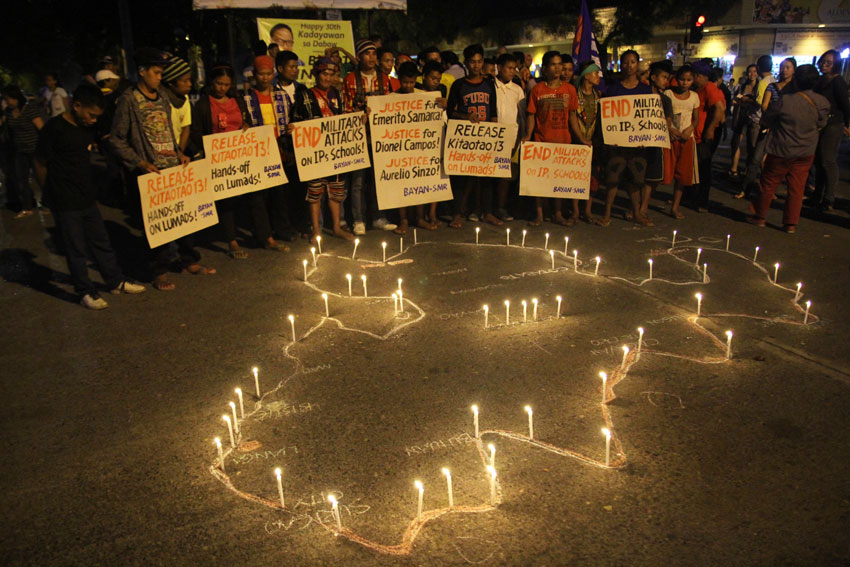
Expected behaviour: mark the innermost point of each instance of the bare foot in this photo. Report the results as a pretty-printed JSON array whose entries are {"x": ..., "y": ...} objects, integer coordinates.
[
  {"x": 457, "y": 222},
  {"x": 422, "y": 223},
  {"x": 604, "y": 221},
  {"x": 536, "y": 222},
  {"x": 402, "y": 228},
  {"x": 676, "y": 214},
  {"x": 344, "y": 234},
  {"x": 492, "y": 219},
  {"x": 162, "y": 283}
]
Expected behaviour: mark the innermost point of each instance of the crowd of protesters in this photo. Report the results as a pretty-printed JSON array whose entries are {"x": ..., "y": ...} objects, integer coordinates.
[{"x": 101, "y": 137}]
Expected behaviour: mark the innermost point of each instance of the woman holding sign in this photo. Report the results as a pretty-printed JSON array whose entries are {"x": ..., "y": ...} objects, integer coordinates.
[
  {"x": 222, "y": 111},
  {"x": 322, "y": 100}
]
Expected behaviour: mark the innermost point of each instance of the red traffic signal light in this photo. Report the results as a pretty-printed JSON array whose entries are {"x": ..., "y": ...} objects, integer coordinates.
[{"x": 700, "y": 21}]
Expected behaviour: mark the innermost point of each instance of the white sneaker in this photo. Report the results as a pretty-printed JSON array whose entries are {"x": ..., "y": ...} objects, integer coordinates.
[
  {"x": 384, "y": 224},
  {"x": 95, "y": 302},
  {"x": 128, "y": 287},
  {"x": 359, "y": 228}
]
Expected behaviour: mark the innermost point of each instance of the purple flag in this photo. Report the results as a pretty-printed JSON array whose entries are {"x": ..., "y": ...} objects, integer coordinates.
[{"x": 584, "y": 42}]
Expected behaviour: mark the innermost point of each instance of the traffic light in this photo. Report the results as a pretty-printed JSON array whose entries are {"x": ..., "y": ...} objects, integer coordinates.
[{"x": 697, "y": 23}]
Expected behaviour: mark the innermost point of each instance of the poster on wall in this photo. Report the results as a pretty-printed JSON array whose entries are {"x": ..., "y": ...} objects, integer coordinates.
[{"x": 308, "y": 39}]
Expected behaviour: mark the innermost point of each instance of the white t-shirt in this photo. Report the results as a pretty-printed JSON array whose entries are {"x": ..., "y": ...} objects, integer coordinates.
[
  {"x": 508, "y": 96},
  {"x": 57, "y": 101},
  {"x": 683, "y": 110}
]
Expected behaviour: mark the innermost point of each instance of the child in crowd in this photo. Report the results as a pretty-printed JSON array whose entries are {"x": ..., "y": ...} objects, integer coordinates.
[
  {"x": 177, "y": 77},
  {"x": 587, "y": 121},
  {"x": 366, "y": 80},
  {"x": 322, "y": 100},
  {"x": 63, "y": 168},
  {"x": 489, "y": 69},
  {"x": 552, "y": 107},
  {"x": 472, "y": 98},
  {"x": 683, "y": 147},
  {"x": 510, "y": 100},
  {"x": 659, "y": 76}
]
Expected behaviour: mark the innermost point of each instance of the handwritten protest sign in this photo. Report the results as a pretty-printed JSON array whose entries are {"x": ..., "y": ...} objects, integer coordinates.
[
  {"x": 407, "y": 136},
  {"x": 555, "y": 170},
  {"x": 243, "y": 161},
  {"x": 177, "y": 201},
  {"x": 634, "y": 121},
  {"x": 481, "y": 149},
  {"x": 329, "y": 146}
]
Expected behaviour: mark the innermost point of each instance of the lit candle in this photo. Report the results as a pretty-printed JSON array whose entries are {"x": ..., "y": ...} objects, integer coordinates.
[
  {"x": 546, "y": 243},
  {"x": 728, "y": 236},
  {"x": 475, "y": 419},
  {"x": 604, "y": 377},
  {"x": 775, "y": 272},
  {"x": 756, "y": 255},
  {"x": 596, "y": 270},
  {"x": 650, "y": 268},
  {"x": 278, "y": 473},
  {"x": 797, "y": 295},
  {"x": 492, "y": 454},
  {"x": 699, "y": 303},
  {"x": 363, "y": 279},
  {"x": 421, "y": 490},
  {"x": 486, "y": 316},
  {"x": 220, "y": 454},
  {"x": 335, "y": 511},
  {"x": 313, "y": 252},
  {"x": 235, "y": 418},
  {"x": 699, "y": 252},
  {"x": 449, "y": 486},
  {"x": 575, "y": 260},
  {"x": 507, "y": 237},
  {"x": 319, "y": 243},
  {"x": 415, "y": 240},
  {"x": 477, "y": 231},
  {"x": 640, "y": 338},
  {"x": 395, "y": 304},
  {"x": 226, "y": 418},
  {"x": 400, "y": 301},
  {"x": 492, "y": 471},
  {"x": 399, "y": 284},
  {"x": 674, "y": 238},
  {"x": 241, "y": 403},
  {"x": 534, "y": 303},
  {"x": 327, "y": 311},
  {"x": 507, "y": 312},
  {"x": 559, "y": 298},
  {"x": 256, "y": 371},
  {"x": 348, "y": 277},
  {"x": 607, "y": 433},
  {"x": 552, "y": 256},
  {"x": 705, "y": 272},
  {"x": 524, "y": 311},
  {"x": 524, "y": 232},
  {"x": 384, "y": 250},
  {"x": 292, "y": 325},
  {"x": 566, "y": 244},
  {"x": 806, "y": 316},
  {"x": 530, "y": 422},
  {"x": 305, "y": 269},
  {"x": 625, "y": 355},
  {"x": 356, "y": 243},
  {"x": 728, "y": 344},
  {"x": 401, "y": 245}
]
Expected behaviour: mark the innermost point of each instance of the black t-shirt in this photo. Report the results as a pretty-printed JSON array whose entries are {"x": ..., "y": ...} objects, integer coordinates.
[
  {"x": 480, "y": 97},
  {"x": 66, "y": 149}
]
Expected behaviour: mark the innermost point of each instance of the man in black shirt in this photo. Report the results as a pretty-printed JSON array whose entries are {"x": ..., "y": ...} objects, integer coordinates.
[{"x": 63, "y": 168}]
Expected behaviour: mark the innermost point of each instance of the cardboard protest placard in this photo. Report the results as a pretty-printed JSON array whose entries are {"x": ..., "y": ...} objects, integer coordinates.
[
  {"x": 482, "y": 149},
  {"x": 634, "y": 121},
  {"x": 329, "y": 146},
  {"x": 407, "y": 139},
  {"x": 555, "y": 170},
  {"x": 177, "y": 201},
  {"x": 243, "y": 161}
]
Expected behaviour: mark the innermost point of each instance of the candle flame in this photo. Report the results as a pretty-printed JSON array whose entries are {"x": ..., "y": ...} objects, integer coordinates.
[
  {"x": 492, "y": 470},
  {"x": 304, "y": 262},
  {"x": 363, "y": 277},
  {"x": 640, "y": 330},
  {"x": 313, "y": 249},
  {"x": 603, "y": 375},
  {"x": 528, "y": 410},
  {"x": 698, "y": 296},
  {"x": 729, "y": 334},
  {"x": 418, "y": 484},
  {"x": 486, "y": 308},
  {"x": 332, "y": 500},
  {"x": 226, "y": 418},
  {"x": 606, "y": 432},
  {"x": 558, "y": 298},
  {"x": 277, "y": 472},
  {"x": 291, "y": 317},
  {"x": 475, "y": 410},
  {"x": 446, "y": 472},
  {"x": 218, "y": 441},
  {"x": 534, "y": 300},
  {"x": 324, "y": 296},
  {"x": 625, "y": 349}
]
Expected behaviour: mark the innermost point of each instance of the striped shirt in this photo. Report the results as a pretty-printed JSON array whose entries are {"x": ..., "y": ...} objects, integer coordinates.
[{"x": 24, "y": 132}]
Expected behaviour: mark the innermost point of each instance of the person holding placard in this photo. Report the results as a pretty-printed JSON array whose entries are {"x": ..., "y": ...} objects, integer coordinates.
[
  {"x": 510, "y": 100},
  {"x": 473, "y": 98},
  {"x": 552, "y": 107},
  {"x": 587, "y": 121},
  {"x": 221, "y": 110},
  {"x": 625, "y": 167},
  {"x": 322, "y": 100},
  {"x": 143, "y": 139},
  {"x": 366, "y": 80},
  {"x": 657, "y": 163},
  {"x": 683, "y": 146}
]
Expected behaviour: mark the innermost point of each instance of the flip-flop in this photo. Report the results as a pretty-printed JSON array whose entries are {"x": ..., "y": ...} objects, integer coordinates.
[
  {"x": 535, "y": 222},
  {"x": 200, "y": 271},
  {"x": 603, "y": 222},
  {"x": 162, "y": 283},
  {"x": 238, "y": 254}
]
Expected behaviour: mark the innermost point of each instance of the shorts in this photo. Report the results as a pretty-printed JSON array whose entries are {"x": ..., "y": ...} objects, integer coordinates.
[
  {"x": 317, "y": 187},
  {"x": 625, "y": 166},
  {"x": 654, "y": 165}
]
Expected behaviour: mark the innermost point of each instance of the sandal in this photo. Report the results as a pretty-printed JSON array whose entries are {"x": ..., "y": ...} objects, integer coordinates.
[
  {"x": 492, "y": 219},
  {"x": 602, "y": 222},
  {"x": 644, "y": 221},
  {"x": 569, "y": 221},
  {"x": 457, "y": 222},
  {"x": 277, "y": 246},
  {"x": 535, "y": 222},
  {"x": 238, "y": 254},
  {"x": 198, "y": 270},
  {"x": 162, "y": 283},
  {"x": 677, "y": 215}
]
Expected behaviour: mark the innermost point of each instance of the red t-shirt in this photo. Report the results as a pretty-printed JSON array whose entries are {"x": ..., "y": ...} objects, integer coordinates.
[
  {"x": 709, "y": 95},
  {"x": 551, "y": 109},
  {"x": 226, "y": 116}
]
